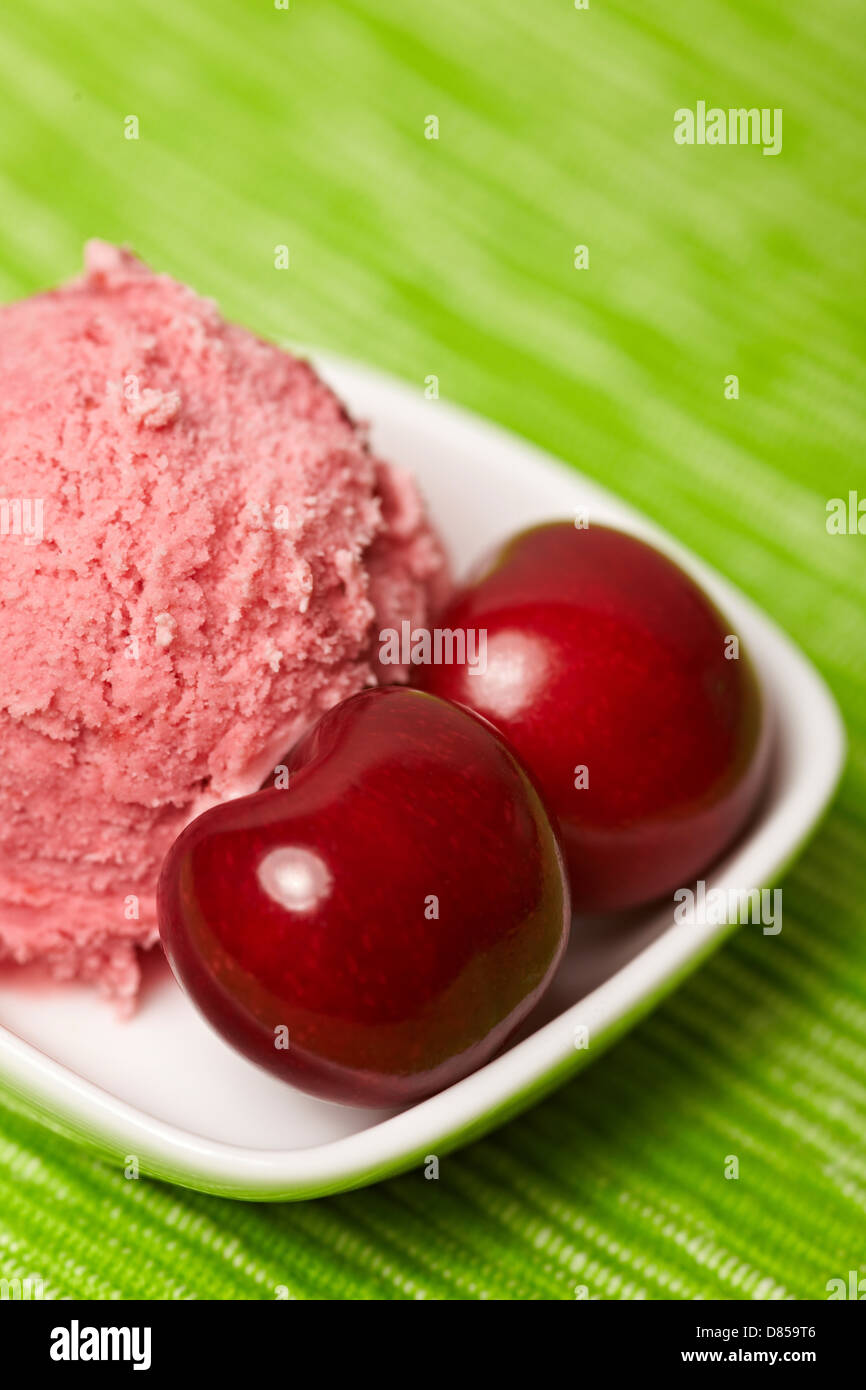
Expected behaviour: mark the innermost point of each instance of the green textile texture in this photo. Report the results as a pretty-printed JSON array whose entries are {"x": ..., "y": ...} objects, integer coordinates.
[{"x": 261, "y": 126}]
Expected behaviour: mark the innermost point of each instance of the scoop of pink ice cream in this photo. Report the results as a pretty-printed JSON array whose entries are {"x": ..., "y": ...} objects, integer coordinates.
[{"x": 197, "y": 553}]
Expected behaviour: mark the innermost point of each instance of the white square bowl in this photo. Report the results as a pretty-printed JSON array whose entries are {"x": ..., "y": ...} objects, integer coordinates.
[{"x": 165, "y": 1089}]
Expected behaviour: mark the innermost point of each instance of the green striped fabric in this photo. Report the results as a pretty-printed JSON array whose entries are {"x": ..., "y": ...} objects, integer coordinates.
[{"x": 305, "y": 127}]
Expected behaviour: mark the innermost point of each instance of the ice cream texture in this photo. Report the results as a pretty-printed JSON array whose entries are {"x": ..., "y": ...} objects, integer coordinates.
[{"x": 198, "y": 550}]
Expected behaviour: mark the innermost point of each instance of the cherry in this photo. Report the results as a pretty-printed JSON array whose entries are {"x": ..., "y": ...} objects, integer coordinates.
[
  {"x": 611, "y": 674},
  {"x": 376, "y": 929}
]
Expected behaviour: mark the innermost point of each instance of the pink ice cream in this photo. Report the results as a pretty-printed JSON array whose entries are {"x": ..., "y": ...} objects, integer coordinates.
[{"x": 197, "y": 552}]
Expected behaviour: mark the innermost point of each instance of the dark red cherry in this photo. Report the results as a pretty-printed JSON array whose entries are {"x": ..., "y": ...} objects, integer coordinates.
[
  {"x": 377, "y": 929},
  {"x": 615, "y": 679}
]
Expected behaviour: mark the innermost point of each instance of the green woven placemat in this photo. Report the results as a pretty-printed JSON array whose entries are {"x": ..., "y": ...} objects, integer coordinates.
[{"x": 305, "y": 127}]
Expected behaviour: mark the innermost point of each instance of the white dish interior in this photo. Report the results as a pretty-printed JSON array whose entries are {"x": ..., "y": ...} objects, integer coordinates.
[{"x": 166, "y": 1089}]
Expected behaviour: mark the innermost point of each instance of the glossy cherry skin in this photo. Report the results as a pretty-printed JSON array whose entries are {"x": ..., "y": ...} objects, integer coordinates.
[
  {"x": 396, "y": 910},
  {"x": 602, "y": 654}
]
